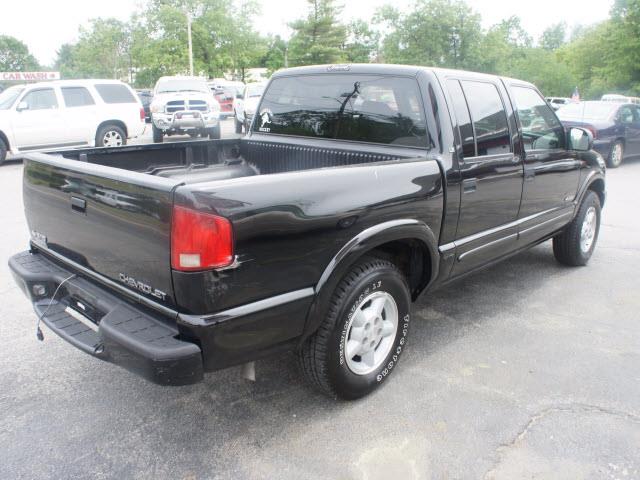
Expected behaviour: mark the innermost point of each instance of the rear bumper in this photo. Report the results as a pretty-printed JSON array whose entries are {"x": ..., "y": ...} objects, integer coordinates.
[{"x": 113, "y": 329}]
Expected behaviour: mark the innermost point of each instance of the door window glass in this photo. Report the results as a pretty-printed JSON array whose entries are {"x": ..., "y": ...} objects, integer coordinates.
[
  {"x": 541, "y": 129},
  {"x": 462, "y": 116},
  {"x": 626, "y": 115},
  {"x": 114, "y": 93},
  {"x": 489, "y": 118},
  {"x": 76, "y": 97},
  {"x": 44, "y": 99}
]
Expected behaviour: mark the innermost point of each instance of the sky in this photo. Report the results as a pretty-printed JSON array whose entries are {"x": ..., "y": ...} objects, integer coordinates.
[{"x": 44, "y": 25}]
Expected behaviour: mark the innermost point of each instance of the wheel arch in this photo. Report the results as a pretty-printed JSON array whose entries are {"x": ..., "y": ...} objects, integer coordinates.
[
  {"x": 410, "y": 244},
  {"x": 118, "y": 123},
  {"x": 5, "y": 139}
]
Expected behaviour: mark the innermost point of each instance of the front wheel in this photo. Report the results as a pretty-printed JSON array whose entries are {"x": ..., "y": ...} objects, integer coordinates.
[
  {"x": 158, "y": 137},
  {"x": 364, "y": 332},
  {"x": 214, "y": 132},
  {"x": 575, "y": 245},
  {"x": 3, "y": 151},
  {"x": 111, "y": 136},
  {"x": 614, "y": 160}
]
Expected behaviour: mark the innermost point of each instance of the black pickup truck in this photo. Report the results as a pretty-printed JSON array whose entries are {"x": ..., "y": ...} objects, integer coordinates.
[{"x": 358, "y": 189}]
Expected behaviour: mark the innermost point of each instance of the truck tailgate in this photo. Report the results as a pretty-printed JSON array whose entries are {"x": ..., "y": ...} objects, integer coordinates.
[{"x": 114, "y": 222}]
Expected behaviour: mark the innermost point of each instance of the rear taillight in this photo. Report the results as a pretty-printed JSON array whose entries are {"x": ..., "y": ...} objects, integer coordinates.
[
  {"x": 142, "y": 115},
  {"x": 200, "y": 241}
]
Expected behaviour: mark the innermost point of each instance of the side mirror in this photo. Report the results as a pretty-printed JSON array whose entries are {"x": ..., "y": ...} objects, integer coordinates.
[
  {"x": 580, "y": 139},
  {"x": 22, "y": 106}
]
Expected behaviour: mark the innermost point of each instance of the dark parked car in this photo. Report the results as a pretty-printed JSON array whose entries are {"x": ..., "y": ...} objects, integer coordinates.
[
  {"x": 358, "y": 189},
  {"x": 146, "y": 97},
  {"x": 615, "y": 127}
]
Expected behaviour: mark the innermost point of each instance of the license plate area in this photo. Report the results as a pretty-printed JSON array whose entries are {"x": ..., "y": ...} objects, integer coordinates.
[{"x": 187, "y": 115}]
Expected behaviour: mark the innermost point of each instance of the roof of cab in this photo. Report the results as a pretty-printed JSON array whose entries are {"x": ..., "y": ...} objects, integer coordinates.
[{"x": 386, "y": 69}]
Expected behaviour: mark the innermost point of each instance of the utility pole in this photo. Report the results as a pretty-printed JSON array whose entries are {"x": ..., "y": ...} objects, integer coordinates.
[{"x": 190, "y": 45}]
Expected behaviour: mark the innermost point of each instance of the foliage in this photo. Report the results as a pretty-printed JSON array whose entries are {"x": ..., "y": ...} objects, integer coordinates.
[
  {"x": 598, "y": 59},
  {"x": 320, "y": 37},
  {"x": 442, "y": 33},
  {"x": 15, "y": 56}
]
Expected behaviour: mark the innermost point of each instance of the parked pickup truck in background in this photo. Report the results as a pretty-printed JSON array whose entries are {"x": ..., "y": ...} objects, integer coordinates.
[
  {"x": 358, "y": 189},
  {"x": 184, "y": 105}
]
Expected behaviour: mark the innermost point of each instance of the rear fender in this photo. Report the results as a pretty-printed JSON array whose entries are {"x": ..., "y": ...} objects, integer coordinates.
[{"x": 366, "y": 241}]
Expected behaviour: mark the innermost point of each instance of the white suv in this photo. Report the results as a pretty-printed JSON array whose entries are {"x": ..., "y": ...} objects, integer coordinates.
[
  {"x": 68, "y": 113},
  {"x": 184, "y": 105}
]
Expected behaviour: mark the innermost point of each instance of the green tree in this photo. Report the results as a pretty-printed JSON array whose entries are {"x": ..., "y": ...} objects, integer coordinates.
[
  {"x": 554, "y": 36},
  {"x": 362, "y": 42},
  {"x": 436, "y": 32},
  {"x": 15, "y": 56},
  {"x": 320, "y": 37},
  {"x": 102, "y": 50}
]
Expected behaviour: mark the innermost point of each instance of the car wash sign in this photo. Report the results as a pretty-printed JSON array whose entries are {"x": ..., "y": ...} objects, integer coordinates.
[{"x": 28, "y": 76}]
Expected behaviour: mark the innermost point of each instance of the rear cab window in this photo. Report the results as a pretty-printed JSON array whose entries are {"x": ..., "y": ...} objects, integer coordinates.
[
  {"x": 114, "y": 93},
  {"x": 380, "y": 109}
]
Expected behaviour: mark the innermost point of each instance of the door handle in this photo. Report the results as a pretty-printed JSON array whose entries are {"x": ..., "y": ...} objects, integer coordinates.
[{"x": 469, "y": 185}]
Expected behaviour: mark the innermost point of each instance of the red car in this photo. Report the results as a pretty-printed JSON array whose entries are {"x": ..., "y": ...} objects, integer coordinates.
[{"x": 225, "y": 93}]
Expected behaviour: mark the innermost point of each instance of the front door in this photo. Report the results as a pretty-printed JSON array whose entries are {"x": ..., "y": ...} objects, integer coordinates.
[
  {"x": 36, "y": 120},
  {"x": 490, "y": 170},
  {"x": 551, "y": 172}
]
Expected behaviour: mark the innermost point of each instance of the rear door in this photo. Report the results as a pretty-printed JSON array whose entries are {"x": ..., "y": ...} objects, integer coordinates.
[
  {"x": 551, "y": 172},
  {"x": 79, "y": 113},
  {"x": 630, "y": 119},
  {"x": 491, "y": 172}
]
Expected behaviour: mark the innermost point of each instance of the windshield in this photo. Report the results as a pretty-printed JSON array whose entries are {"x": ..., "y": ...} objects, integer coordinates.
[
  {"x": 587, "y": 110},
  {"x": 182, "y": 85},
  {"x": 254, "y": 90},
  {"x": 9, "y": 96}
]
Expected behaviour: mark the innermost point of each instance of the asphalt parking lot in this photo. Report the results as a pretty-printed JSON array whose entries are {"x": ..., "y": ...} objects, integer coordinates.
[{"x": 526, "y": 370}]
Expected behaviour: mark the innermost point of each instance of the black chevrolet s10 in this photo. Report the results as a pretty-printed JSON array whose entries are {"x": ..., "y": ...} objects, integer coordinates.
[{"x": 357, "y": 189}]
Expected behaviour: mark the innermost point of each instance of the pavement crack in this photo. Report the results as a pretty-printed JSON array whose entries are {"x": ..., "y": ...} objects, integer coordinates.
[{"x": 536, "y": 417}]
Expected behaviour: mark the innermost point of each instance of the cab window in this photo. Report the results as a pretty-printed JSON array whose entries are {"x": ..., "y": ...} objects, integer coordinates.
[
  {"x": 44, "y": 99},
  {"x": 541, "y": 129},
  {"x": 77, "y": 97},
  {"x": 489, "y": 118}
]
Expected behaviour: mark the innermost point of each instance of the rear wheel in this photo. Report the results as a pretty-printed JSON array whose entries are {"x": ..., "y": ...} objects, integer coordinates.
[
  {"x": 575, "y": 245},
  {"x": 614, "y": 160},
  {"x": 158, "y": 137},
  {"x": 3, "y": 151},
  {"x": 363, "y": 334},
  {"x": 214, "y": 133},
  {"x": 111, "y": 135}
]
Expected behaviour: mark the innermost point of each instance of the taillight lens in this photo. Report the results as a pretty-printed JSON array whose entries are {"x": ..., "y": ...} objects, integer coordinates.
[
  {"x": 200, "y": 241},
  {"x": 142, "y": 115}
]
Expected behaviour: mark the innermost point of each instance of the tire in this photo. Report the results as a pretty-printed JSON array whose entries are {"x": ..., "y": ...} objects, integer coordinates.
[
  {"x": 238, "y": 125},
  {"x": 575, "y": 245},
  {"x": 351, "y": 313},
  {"x": 158, "y": 136},
  {"x": 111, "y": 135},
  {"x": 214, "y": 133},
  {"x": 3, "y": 151},
  {"x": 616, "y": 154}
]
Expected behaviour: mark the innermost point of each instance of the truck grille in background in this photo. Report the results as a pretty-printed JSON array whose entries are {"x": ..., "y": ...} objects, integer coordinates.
[
  {"x": 275, "y": 157},
  {"x": 180, "y": 105}
]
